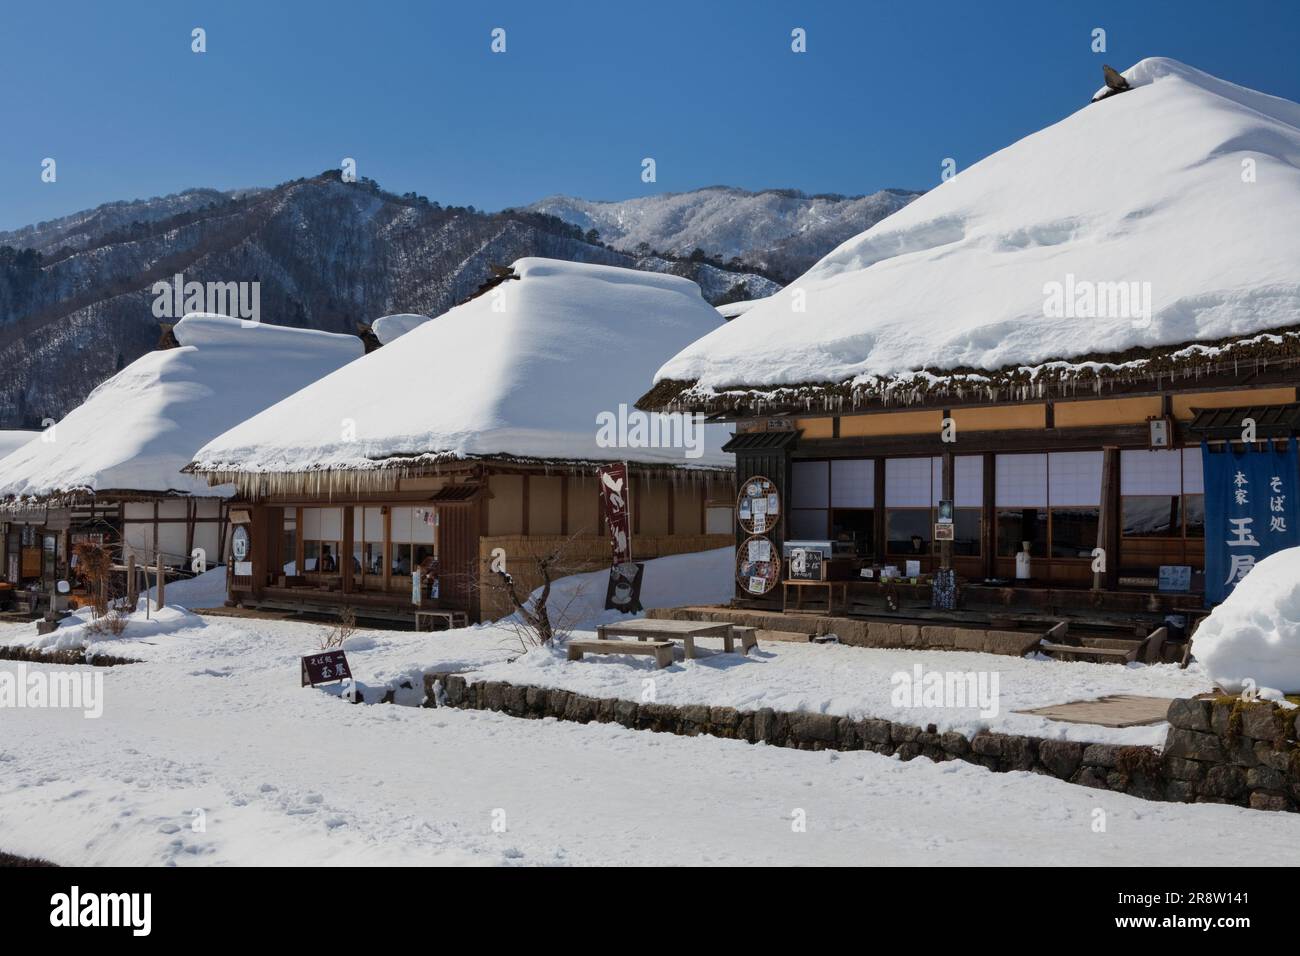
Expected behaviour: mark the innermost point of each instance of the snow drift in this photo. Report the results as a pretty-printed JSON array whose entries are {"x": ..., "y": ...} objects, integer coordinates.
[
  {"x": 138, "y": 429},
  {"x": 1150, "y": 186},
  {"x": 520, "y": 371},
  {"x": 1255, "y": 633}
]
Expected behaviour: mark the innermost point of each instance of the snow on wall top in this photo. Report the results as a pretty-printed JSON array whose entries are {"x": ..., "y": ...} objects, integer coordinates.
[
  {"x": 521, "y": 371},
  {"x": 1146, "y": 186},
  {"x": 390, "y": 327},
  {"x": 136, "y": 430}
]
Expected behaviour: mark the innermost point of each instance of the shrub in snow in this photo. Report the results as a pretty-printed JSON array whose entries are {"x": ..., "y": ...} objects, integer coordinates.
[{"x": 1254, "y": 635}]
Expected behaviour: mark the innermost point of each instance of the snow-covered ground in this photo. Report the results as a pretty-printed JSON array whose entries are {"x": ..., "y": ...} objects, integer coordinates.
[
  {"x": 858, "y": 682},
  {"x": 214, "y": 720}
]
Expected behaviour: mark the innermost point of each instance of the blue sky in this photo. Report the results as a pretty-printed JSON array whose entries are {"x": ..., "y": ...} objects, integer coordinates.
[{"x": 585, "y": 90}]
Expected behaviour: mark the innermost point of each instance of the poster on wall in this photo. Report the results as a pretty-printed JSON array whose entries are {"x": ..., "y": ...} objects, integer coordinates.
[
  {"x": 758, "y": 566},
  {"x": 759, "y": 506},
  {"x": 1250, "y": 511}
]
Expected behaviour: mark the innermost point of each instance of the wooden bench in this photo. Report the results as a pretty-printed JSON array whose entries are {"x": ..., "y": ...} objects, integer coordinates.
[
  {"x": 454, "y": 619},
  {"x": 748, "y": 638},
  {"x": 662, "y": 650}
]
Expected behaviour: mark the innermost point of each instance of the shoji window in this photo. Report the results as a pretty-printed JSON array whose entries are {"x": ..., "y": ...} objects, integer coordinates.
[
  {"x": 1020, "y": 496},
  {"x": 322, "y": 534},
  {"x": 909, "y": 504},
  {"x": 810, "y": 498},
  {"x": 968, "y": 504},
  {"x": 1162, "y": 493},
  {"x": 412, "y": 539},
  {"x": 368, "y": 541},
  {"x": 1074, "y": 494},
  {"x": 853, "y": 498}
]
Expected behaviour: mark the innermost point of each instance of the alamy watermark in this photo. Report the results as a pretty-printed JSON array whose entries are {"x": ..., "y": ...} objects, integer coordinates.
[
  {"x": 632, "y": 428},
  {"x": 956, "y": 690},
  {"x": 239, "y": 300},
  {"x": 76, "y": 690},
  {"x": 1084, "y": 299}
]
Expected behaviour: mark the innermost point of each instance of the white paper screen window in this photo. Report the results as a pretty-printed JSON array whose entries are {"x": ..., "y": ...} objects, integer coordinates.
[
  {"x": 1074, "y": 478},
  {"x": 331, "y": 524},
  {"x": 909, "y": 482},
  {"x": 1193, "y": 476},
  {"x": 853, "y": 483},
  {"x": 1021, "y": 481},
  {"x": 811, "y": 484},
  {"x": 311, "y": 524},
  {"x": 1151, "y": 472},
  {"x": 969, "y": 481},
  {"x": 401, "y": 525}
]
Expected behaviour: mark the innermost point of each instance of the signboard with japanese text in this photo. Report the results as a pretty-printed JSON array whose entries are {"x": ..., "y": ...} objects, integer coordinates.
[
  {"x": 1250, "y": 511},
  {"x": 325, "y": 667}
]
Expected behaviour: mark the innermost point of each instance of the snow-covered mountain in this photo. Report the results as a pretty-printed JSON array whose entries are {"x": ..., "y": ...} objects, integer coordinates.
[
  {"x": 76, "y": 300},
  {"x": 780, "y": 230},
  {"x": 1185, "y": 189}
]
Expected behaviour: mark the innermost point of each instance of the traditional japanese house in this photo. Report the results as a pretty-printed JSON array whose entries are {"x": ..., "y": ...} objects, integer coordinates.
[
  {"x": 1044, "y": 341},
  {"x": 110, "y": 471},
  {"x": 471, "y": 437}
]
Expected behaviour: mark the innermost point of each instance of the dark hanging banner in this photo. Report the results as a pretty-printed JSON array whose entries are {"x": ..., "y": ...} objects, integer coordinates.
[
  {"x": 624, "y": 590},
  {"x": 1250, "y": 511},
  {"x": 614, "y": 504}
]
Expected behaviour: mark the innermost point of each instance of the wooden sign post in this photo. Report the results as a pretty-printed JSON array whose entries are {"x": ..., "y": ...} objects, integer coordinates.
[{"x": 161, "y": 582}]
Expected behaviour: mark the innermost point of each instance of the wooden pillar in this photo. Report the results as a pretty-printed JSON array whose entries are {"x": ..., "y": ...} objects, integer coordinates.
[
  {"x": 132, "y": 591},
  {"x": 524, "y": 507},
  {"x": 672, "y": 506},
  {"x": 162, "y": 582},
  {"x": 1108, "y": 520},
  {"x": 191, "y": 518},
  {"x": 345, "y": 559},
  {"x": 879, "y": 531},
  {"x": 948, "y": 488},
  {"x": 388, "y": 547},
  {"x": 989, "y": 530},
  {"x": 564, "y": 504}
]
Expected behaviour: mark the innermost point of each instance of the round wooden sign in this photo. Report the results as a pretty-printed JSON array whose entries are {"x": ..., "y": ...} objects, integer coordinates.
[
  {"x": 758, "y": 565},
  {"x": 758, "y": 508}
]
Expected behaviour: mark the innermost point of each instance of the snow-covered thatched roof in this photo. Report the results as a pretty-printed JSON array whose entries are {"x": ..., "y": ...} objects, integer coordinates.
[
  {"x": 734, "y": 310},
  {"x": 388, "y": 328},
  {"x": 1187, "y": 185},
  {"x": 521, "y": 372},
  {"x": 136, "y": 431}
]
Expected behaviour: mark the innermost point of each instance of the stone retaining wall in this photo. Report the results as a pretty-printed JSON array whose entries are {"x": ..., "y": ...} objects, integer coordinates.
[{"x": 1220, "y": 751}]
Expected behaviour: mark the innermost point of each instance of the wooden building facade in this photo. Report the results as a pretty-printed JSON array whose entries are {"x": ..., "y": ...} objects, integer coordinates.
[
  {"x": 354, "y": 539},
  {"x": 1066, "y": 477}
]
